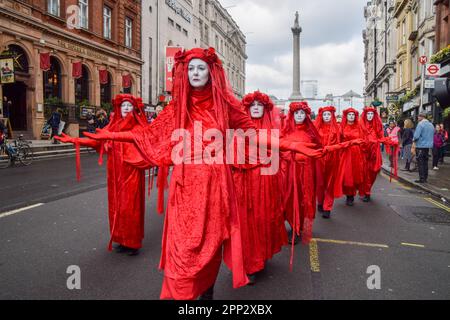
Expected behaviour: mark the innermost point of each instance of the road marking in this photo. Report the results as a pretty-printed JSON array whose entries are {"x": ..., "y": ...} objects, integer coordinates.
[
  {"x": 413, "y": 245},
  {"x": 9, "y": 213},
  {"x": 404, "y": 186},
  {"x": 314, "y": 256},
  {"x": 355, "y": 243},
  {"x": 438, "y": 204}
]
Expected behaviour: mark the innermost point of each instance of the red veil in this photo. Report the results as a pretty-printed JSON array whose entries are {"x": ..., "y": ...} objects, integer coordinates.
[
  {"x": 334, "y": 126},
  {"x": 290, "y": 123}
]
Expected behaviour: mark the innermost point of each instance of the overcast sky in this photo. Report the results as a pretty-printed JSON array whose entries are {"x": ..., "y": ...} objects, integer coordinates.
[{"x": 332, "y": 50}]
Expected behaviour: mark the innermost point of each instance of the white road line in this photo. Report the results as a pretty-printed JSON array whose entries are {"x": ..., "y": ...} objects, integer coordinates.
[{"x": 9, "y": 213}]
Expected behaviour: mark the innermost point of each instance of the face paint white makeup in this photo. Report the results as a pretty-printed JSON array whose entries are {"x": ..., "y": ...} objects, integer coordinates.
[{"x": 198, "y": 73}]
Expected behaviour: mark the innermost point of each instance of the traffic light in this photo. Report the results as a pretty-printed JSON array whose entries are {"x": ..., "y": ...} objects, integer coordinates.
[{"x": 442, "y": 91}]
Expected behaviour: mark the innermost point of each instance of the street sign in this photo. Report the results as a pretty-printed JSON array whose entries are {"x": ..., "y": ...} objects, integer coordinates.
[
  {"x": 423, "y": 59},
  {"x": 429, "y": 84},
  {"x": 392, "y": 98},
  {"x": 432, "y": 70}
]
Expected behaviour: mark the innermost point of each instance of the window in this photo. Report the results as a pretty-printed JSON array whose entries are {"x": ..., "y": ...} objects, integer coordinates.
[
  {"x": 178, "y": 27},
  {"x": 185, "y": 32},
  {"x": 84, "y": 13},
  {"x": 107, "y": 22},
  {"x": 217, "y": 43},
  {"x": 206, "y": 34},
  {"x": 400, "y": 66},
  {"x": 53, "y": 7},
  {"x": 430, "y": 46},
  {"x": 128, "y": 32},
  {"x": 171, "y": 22}
]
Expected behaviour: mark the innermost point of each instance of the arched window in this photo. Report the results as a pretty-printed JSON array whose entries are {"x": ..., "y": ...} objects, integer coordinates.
[
  {"x": 82, "y": 86},
  {"x": 20, "y": 58},
  {"x": 52, "y": 80}
]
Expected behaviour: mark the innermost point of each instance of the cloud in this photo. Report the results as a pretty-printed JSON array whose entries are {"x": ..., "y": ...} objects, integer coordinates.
[{"x": 331, "y": 43}]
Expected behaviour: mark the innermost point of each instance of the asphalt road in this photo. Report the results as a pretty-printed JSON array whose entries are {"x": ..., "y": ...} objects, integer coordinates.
[{"x": 402, "y": 232}]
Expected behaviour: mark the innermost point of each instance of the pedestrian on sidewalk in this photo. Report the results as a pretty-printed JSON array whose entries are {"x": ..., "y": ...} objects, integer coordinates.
[
  {"x": 438, "y": 142},
  {"x": 393, "y": 132},
  {"x": 444, "y": 146},
  {"x": 54, "y": 121},
  {"x": 407, "y": 141},
  {"x": 424, "y": 139}
]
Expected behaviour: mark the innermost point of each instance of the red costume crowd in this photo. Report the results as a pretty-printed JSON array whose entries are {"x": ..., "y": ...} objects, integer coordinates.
[{"x": 232, "y": 212}]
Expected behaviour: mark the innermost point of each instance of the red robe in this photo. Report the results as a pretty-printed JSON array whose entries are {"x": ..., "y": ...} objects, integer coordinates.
[
  {"x": 301, "y": 185},
  {"x": 352, "y": 160},
  {"x": 373, "y": 160},
  {"x": 330, "y": 187},
  {"x": 126, "y": 184},
  {"x": 260, "y": 211},
  {"x": 201, "y": 220}
]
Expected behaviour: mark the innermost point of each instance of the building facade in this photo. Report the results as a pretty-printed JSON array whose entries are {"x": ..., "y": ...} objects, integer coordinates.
[
  {"x": 442, "y": 24},
  {"x": 87, "y": 35},
  {"x": 380, "y": 42},
  {"x": 188, "y": 24}
]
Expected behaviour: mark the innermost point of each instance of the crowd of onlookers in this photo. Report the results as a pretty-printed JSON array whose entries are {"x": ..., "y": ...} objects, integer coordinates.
[{"x": 417, "y": 142}]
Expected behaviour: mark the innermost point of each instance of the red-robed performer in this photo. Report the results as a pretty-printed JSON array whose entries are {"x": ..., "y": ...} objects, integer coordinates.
[
  {"x": 201, "y": 222},
  {"x": 373, "y": 128},
  {"x": 352, "y": 160},
  {"x": 301, "y": 173},
  {"x": 259, "y": 197},
  {"x": 330, "y": 187},
  {"x": 126, "y": 183}
]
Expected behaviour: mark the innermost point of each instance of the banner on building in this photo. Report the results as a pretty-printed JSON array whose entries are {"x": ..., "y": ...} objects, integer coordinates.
[
  {"x": 45, "y": 61},
  {"x": 77, "y": 70},
  {"x": 126, "y": 81},
  {"x": 170, "y": 64},
  {"x": 103, "y": 75},
  {"x": 7, "y": 70}
]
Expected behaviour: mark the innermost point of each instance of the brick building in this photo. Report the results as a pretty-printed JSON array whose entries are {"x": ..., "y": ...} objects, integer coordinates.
[{"x": 99, "y": 39}]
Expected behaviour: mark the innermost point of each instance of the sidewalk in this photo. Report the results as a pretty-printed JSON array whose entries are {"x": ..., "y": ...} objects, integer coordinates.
[
  {"x": 438, "y": 181},
  {"x": 45, "y": 149}
]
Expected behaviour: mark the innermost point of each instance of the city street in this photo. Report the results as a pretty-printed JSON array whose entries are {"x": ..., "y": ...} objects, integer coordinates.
[{"x": 402, "y": 231}]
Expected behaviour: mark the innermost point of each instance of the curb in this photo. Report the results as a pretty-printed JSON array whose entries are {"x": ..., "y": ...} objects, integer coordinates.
[{"x": 417, "y": 185}]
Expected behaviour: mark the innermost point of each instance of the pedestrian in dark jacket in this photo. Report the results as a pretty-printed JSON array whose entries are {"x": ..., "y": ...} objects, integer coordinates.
[
  {"x": 54, "y": 121},
  {"x": 407, "y": 141}
]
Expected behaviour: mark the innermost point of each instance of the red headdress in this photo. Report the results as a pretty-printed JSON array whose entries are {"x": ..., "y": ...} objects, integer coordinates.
[
  {"x": 218, "y": 87},
  {"x": 344, "y": 117},
  {"x": 334, "y": 126},
  {"x": 137, "y": 117},
  {"x": 377, "y": 123},
  {"x": 290, "y": 123},
  {"x": 266, "y": 121}
]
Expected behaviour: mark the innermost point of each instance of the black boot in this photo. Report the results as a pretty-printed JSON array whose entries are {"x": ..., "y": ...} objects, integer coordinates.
[
  {"x": 133, "y": 252},
  {"x": 350, "y": 200},
  {"x": 252, "y": 279},
  {"x": 208, "y": 294},
  {"x": 320, "y": 208},
  {"x": 366, "y": 198},
  {"x": 326, "y": 214},
  {"x": 296, "y": 238}
]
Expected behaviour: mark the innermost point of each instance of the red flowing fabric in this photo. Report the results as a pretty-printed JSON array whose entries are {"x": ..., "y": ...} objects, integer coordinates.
[
  {"x": 45, "y": 61},
  {"x": 126, "y": 182},
  {"x": 302, "y": 174},
  {"x": 126, "y": 81},
  {"x": 260, "y": 202},
  {"x": 202, "y": 221},
  {"x": 352, "y": 164},
  {"x": 330, "y": 187},
  {"x": 103, "y": 76},
  {"x": 371, "y": 149}
]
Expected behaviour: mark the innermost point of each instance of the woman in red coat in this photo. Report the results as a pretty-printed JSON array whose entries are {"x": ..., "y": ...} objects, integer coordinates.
[
  {"x": 302, "y": 172},
  {"x": 126, "y": 183},
  {"x": 202, "y": 224},
  {"x": 330, "y": 187},
  {"x": 259, "y": 197},
  {"x": 373, "y": 127},
  {"x": 352, "y": 158}
]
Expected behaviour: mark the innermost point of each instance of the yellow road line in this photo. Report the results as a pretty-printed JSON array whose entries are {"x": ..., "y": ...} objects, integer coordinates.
[
  {"x": 363, "y": 244},
  {"x": 413, "y": 245},
  {"x": 438, "y": 204},
  {"x": 314, "y": 256},
  {"x": 404, "y": 186}
]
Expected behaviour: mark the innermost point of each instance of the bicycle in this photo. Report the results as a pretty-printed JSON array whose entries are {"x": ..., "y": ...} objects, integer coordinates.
[{"x": 19, "y": 151}]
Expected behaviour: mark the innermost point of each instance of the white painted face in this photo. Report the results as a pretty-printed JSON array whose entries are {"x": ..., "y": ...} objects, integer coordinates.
[
  {"x": 326, "y": 116},
  {"x": 126, "y": 107},
  {"x": 198, "y": 73},
  {"x": 299, "y": 116},
  {"x": 257, "y": 110},
  {"x": 370, "y": 115},
  {"x": 351, "y": 117}
]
